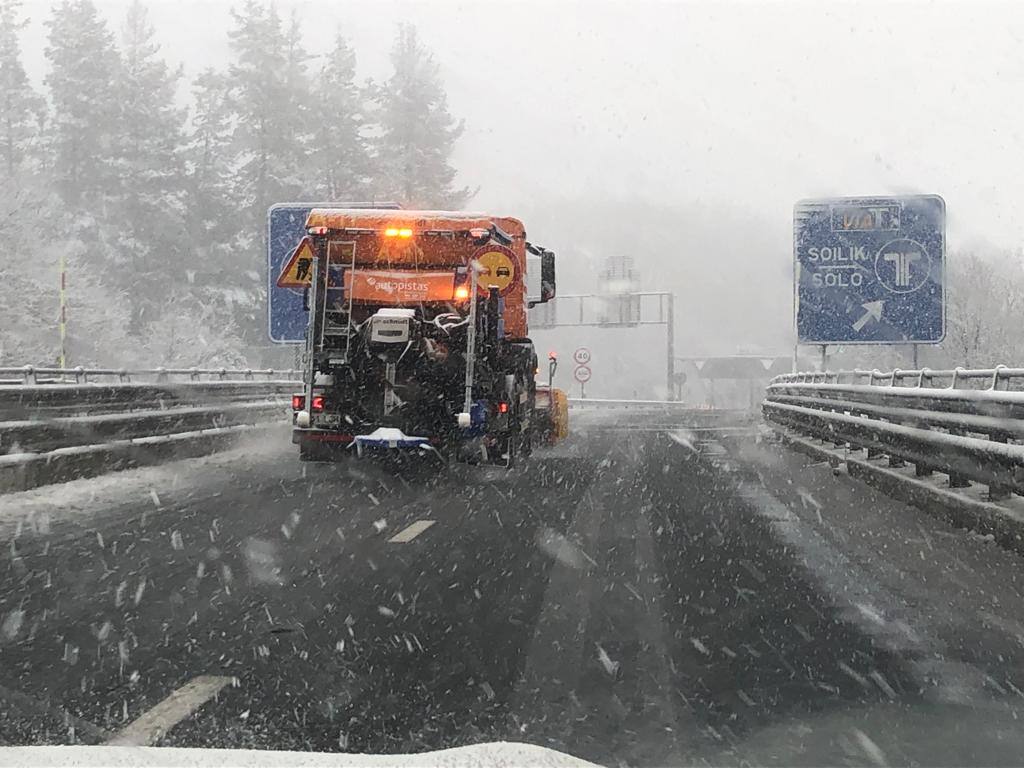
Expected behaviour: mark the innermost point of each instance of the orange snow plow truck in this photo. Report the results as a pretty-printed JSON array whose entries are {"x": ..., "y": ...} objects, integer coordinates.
[{"x": 417, "y": 334}]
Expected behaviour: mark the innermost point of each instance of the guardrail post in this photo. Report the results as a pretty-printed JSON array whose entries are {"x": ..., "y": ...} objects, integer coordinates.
[
  {"x": 123, "y": 376},
  {"x": 222, "y": 373},
  {"x": 193, "y": 374},
  {"x": 161, "y": 374},
  {"x": 955, "y": 480},
  {"x": 995, "y": 377},
  {"x": 248, "y": 374},
  {"x": 29, "y": 374},
  {"x": 997, "y": 492},
  {"x": 81, "y": 375}
]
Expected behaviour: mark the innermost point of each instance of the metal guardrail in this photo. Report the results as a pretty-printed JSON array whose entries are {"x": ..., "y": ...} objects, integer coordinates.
[
  {"x": 42, "y": 435},
  {"x": 967, "y": 432},
  {"x": 924, "y": 377},
  {"x": 30, "y": 374},
  {"x": 599, "y": 404},
  {"x": 55, "y": 400},
  {"x": 57, "y": 428}
]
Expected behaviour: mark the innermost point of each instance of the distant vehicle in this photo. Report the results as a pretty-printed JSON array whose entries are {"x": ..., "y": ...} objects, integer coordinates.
[{"x": 412, "y": 350}]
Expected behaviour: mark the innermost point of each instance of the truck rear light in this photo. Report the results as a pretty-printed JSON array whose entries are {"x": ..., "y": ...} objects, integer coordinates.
[
  {"x": 461, "y": 292},
  {"x": 318, "y": 402},
  {"x": 298, "y": 402},
  {"x": 317, "y": 230},
  {"x": 502, "y": 407}
]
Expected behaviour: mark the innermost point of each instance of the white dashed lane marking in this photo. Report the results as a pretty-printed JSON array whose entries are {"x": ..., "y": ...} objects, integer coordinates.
[
  {"x": 406, "y": 535},
  {"x": 151, "y": 725}
]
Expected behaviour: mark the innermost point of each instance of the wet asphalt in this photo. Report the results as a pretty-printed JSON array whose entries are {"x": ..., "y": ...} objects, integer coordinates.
[{"x": 633, "y": 597}]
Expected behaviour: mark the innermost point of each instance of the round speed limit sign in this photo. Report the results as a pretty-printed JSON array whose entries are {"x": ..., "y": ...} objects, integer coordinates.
[
  {"x": 581, "y": 356},
  {"x": 582, "y": 374}
]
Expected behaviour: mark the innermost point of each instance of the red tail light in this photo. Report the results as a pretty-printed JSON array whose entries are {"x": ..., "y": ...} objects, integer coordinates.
[
  {"x": 298, "y": 402},
  {"x": 502, "y": 407},
  {"x": 318, "y": 402}
]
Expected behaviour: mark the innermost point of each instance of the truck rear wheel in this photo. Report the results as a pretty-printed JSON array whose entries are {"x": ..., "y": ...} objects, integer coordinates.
[
  {"x": 509, "y": 448},
  {"x": 310, "y": 452}
]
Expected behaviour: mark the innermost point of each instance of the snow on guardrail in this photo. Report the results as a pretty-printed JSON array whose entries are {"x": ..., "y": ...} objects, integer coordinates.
[
  {"x": 57, "y": 428},
  {"x": 31, "y": 374},
  {"x": 966, "y": 424}
]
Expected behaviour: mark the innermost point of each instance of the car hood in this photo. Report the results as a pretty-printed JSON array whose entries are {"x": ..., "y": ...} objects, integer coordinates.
[{"x": 499, "y": 754}]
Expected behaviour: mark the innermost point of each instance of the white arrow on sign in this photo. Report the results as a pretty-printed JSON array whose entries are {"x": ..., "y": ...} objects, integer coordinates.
[{"x": 874, "y": 310}]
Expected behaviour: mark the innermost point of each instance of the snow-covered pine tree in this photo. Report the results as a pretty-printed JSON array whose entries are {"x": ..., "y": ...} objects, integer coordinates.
[
  {"x": 269, "y": 89},
  {"x": 417, "y": 133},
  {"x": 20, "y": 107},
  {"x": 339, "y": 167},
  {"x": 81, "y": 148},
  {"x": 27, "y": 295},
  {"x": 82, "y": 86},
  {"x": 212, "y": 218},
  {"x": 150, "y": 250},
  {"x": 259, "y": 77}
]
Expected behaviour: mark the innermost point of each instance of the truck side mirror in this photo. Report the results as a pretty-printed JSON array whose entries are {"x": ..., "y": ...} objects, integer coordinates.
[{"x": 547, "y": 276}]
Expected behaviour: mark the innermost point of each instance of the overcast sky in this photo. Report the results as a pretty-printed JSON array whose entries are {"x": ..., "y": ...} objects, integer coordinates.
[
  {"x": 699, "y": 108},
  {"x": 757, "y": 104}
]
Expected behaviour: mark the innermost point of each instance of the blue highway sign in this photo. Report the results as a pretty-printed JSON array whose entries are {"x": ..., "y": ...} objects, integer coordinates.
[
  {"x": 870, "y": 270},
  {"x": 286, "y": 226}
]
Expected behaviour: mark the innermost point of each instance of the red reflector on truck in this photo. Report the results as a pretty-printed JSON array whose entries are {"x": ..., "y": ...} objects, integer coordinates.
[
  {"x": 502, "y": 407},
  {"x": 328, "y": 437},
  {"x": 318, "y": 402},
  {"x": 298, "y": 402}
]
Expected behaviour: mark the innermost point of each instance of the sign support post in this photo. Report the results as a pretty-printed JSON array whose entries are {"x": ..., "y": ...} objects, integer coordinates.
[
  {"x": 62, "y": 363},
  {"x": 665, "y": 316},
  {"x": 582, "y": 373},
  {"x": 670, "y": 368}
]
